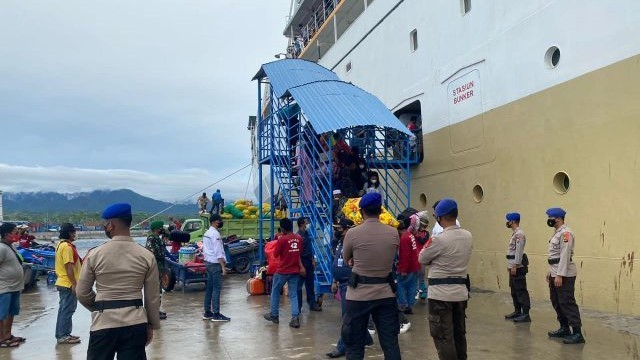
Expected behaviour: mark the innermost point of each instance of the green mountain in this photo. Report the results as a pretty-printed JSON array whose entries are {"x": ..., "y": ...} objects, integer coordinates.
[{"x": 95, "y": 201}]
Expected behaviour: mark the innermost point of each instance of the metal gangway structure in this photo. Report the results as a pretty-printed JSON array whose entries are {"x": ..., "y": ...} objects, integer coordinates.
[{"x": 305, "y": 116}]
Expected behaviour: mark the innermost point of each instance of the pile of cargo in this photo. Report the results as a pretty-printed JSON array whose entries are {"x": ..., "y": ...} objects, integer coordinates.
[
  {"x": 244, "y": 209},
  {"x": 351, "y": 210}
]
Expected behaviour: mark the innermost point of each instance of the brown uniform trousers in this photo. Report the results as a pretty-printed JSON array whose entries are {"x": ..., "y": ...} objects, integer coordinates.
[
  {"x": 564, "y": 302},
  {"x": 448, "y": 329}
]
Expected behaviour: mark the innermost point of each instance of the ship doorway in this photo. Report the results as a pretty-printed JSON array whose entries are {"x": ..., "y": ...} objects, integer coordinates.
[{"x": 411, "y": 117}]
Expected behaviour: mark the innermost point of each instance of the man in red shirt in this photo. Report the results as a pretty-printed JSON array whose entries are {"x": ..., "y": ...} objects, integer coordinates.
[
  {"x": 288, "y": 249},
  {"x": 407, "y": 269}
]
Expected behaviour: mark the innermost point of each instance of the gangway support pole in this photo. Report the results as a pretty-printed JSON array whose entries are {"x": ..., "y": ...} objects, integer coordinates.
[{"x": 258, "y": 159}]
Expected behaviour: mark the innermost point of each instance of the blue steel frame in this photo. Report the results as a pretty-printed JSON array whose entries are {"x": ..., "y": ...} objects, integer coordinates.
[{"x": 302, "y": 162}]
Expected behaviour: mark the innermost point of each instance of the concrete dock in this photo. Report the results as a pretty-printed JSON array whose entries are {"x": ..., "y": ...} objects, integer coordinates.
[{"x": 185, "y": 335}]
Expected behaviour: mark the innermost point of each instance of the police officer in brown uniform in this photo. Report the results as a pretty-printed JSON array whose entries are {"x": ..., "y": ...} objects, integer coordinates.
[
  {"x": 447, "y": 255},
  {"x": 120, "y": 321},
  {"x": 517, "y": 266},
  {"x": 371, "y": 248},
  {"x": 562, "y": 279}
]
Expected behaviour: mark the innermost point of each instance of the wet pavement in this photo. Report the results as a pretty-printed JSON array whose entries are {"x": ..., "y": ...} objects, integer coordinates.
[{"x": 248, "y": 336}]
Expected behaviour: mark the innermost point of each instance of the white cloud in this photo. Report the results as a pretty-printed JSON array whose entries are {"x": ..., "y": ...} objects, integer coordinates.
[
  {"x": 149, "y": 85},
  {"x": 170, "y": 186}
]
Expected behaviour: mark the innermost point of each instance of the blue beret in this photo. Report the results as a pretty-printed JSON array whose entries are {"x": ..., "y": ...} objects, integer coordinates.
[
  {"x": 445, "y": 206},
  {"x": 514, "y": 216},
  {"x": 118, "y": 210},
  {"x": 372, "y": 199},
  {"x": 556, "y": 212}
]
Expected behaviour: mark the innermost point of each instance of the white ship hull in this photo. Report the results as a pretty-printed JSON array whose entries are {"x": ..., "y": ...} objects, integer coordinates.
[{"x": 511, "y": 126}]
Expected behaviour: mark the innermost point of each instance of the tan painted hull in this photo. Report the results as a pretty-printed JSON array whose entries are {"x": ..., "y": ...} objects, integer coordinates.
[{"x": 588, "y": 127}]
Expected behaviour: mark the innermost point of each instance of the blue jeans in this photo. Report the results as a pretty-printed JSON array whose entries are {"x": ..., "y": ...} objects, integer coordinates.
[
  {"x": 422, "y": 284},
  {"x": 278, "y": 283},
  {"x": 407, "y": 287},
  {"x": 214, "y": 287},
  {"x": 343, "y": 306},
  {"x": 66, "y": 308}
]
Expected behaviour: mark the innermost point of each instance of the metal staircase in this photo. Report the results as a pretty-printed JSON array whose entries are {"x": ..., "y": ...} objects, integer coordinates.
[{"x": 301, "y": 162}]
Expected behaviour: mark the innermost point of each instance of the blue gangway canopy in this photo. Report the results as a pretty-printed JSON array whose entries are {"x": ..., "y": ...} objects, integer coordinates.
[
  {"x": 327, "y": 103},
  {"x": 288, "y": 73}
]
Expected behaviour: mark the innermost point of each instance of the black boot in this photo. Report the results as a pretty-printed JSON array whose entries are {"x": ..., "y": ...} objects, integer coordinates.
[
  {"x": 575, "y": 338},
  {"x": 560, "y": 333},
  {"x": 513, "y": 315}
]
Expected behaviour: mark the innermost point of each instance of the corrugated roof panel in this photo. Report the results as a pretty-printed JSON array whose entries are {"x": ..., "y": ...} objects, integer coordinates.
[
  {"x": 333, "y": 105},
  {"x": 287, "y": 73}
]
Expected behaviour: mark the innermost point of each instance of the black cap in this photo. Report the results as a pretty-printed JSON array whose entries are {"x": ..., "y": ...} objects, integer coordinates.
[
  {"x": 215, "y": 217},
  {"x": 67, "y": 227}
]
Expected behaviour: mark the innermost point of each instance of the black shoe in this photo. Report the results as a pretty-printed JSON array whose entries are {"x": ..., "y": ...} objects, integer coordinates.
[
  {"x": 370, "y": 343},
  {"x": 208, "y": 315},
  {"x": 522, "y": 318},
  {"x": 315, "y": 308},
  {"x": 271, "y": 318},
  {"x": 512, "y": 315},
  {"x": 560, "y": 333},
  {"x": 576, "y": 338},
  {"x": 335, "y": 354},
  {"x": 220, "y": 318},
  {"x": 408, "y": 311},
  {"x": 163, "y": 315},
  {"x": 295, "y": 322}
]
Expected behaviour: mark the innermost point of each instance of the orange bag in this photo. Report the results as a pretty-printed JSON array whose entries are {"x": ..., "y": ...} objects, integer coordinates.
[{"x": 255, "y": 287}]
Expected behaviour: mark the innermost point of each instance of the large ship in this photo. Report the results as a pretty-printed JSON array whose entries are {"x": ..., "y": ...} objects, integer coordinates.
[{"x": 523, "y": 105}]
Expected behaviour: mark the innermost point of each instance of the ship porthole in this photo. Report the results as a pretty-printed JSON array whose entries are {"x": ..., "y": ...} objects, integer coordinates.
[
  {"x": 423, "y": 200},
  {"x": 552, "y": 57},
  {"x": 478, "y": 193},
  {"x": 561, "y": 182}
]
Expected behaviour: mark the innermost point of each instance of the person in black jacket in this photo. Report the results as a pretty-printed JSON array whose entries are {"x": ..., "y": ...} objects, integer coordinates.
[{"x": 308, "y": 262}]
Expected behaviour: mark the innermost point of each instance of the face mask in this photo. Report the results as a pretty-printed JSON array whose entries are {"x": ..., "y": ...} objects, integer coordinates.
[
  {"x": 220, "y": 224},
  {"x": 438, "y": 221},
  {"x": 373, "y": 181},
  {"x": 551, "y": 222},
  {"x": 361, "y": 166},
  {"x": 508, "y": 225}
]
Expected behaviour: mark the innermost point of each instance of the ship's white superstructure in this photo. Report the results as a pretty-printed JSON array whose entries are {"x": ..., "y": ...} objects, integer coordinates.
[{"x": 524, "y": 105}]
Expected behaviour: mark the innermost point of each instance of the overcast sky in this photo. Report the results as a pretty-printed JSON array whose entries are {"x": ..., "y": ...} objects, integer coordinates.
[{"x": 148, "y": 95}]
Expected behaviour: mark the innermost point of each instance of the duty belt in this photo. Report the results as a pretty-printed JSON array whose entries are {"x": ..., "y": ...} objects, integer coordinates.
[
  {"x": 116, "y": 304},
  {"x": 448, "y": 281},
  {"x": 556, "y": 261},
  {"x": 511, "y": 257},
  {"x": 355, "y": 279},
  {"x": 372, "y": 280}
]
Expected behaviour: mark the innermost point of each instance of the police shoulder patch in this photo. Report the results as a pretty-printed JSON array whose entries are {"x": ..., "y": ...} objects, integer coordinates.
[{"x": 566, "y": 236}]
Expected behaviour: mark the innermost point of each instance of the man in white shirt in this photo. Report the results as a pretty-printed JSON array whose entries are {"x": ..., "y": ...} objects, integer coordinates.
[{"x": 215, "y": 261}]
